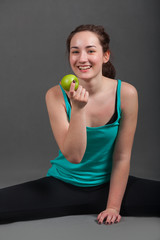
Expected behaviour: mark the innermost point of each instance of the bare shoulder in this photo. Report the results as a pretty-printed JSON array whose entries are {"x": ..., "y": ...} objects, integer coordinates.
[
  {"x": 53, "y": 92},
  {"x": 129, "y": 95},
  {"x": 128, "y": 89},
  {"x": 54, "y": 98}
]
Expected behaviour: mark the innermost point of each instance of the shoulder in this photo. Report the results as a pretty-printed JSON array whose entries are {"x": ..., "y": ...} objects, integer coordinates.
[
  {"x": 129, "y": 95},
  {"x": 128, "y": 89},
  {"x": 54, "y": 96},
  {"x": 53, "y": 92}
]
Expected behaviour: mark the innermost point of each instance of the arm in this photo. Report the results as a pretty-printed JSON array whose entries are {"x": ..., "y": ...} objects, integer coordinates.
[
  {"x": 123, "y": 147},
  {"x": 70, "y": 137}
]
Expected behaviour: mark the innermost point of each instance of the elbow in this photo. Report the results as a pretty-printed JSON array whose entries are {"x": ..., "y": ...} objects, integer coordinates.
[
  {"x": 74, "y": 155},
  {"x": 75, "y": 159}
]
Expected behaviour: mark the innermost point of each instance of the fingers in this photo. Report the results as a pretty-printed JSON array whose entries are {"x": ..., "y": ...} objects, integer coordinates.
[
  {"x": 108, "y": 218},
  {"x": 118, "y": 219},
  {"x": 71, "y": 90},
  {"x": 79, "y": 98},
  {"x": 112, "y": 219},
  {"x": 79, "y": 91}
]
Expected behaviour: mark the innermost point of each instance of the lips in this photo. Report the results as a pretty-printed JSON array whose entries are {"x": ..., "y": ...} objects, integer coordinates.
[{"x": 84, "y": 67}]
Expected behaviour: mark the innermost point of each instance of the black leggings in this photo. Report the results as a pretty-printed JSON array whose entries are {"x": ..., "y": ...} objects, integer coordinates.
[{"x": 50, "y": 197}]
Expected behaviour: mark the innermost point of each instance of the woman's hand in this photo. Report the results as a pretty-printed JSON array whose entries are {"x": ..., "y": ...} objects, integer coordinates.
[
  {"x": 78, "y": 98},
  {"x": 110, "y": 215}
]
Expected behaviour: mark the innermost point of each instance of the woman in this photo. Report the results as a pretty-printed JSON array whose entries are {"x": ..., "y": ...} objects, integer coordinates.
[{"x": 94, "y": 128}]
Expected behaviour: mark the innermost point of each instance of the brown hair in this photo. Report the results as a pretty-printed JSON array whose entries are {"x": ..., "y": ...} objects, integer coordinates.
[{"x": 108, "y": 69}]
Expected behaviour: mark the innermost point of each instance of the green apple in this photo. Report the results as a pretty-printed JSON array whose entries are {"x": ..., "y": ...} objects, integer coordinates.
[{"x": 67, "y": 80}]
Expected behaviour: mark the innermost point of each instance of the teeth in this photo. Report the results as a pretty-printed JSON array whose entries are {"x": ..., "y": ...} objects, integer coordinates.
[{"x": 84, "y": 68}]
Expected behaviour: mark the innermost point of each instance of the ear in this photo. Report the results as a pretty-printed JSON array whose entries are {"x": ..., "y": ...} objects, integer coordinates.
[{"x": 106, "y": 56}]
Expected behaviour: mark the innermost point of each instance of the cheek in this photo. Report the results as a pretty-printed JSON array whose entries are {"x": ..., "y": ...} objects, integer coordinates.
[
  {"x": 97, "y": 60},
  {"x": 72, "y": 60}
]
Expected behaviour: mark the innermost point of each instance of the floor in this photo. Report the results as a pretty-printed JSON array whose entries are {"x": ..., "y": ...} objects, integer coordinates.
[{"x": 82, "y": 227}]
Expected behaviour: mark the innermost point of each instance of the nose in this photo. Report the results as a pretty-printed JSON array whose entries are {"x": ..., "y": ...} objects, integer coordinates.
[{"x": 83, "y": 57}]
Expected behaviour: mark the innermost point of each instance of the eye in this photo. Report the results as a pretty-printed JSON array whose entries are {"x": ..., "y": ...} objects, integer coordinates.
[
  {"x": 91, "y": 51},
  {"x": 74, "y": 52}
]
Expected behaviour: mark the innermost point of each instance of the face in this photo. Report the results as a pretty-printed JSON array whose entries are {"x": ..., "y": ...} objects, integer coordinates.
[{"x": 86, "y": 55}]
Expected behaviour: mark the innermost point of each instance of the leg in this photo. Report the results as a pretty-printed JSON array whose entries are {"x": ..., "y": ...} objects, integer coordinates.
[
  {"x": 42, "y": 198},
  {"x": 141, "y": 198},
  {"x": 50, "y": 197}
]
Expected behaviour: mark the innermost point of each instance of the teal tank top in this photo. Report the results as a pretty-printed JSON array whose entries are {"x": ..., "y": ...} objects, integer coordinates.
[{"x": 96, "y": 165}]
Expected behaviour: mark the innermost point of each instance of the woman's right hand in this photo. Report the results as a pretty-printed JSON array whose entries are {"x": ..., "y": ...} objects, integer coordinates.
[{"x": 78, "y": 98}]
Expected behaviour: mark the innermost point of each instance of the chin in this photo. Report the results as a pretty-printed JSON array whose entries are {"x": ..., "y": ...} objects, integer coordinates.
[{"x": 86, "y": 75}]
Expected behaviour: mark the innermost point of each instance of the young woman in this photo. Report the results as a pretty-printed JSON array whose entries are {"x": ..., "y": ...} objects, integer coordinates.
[{"x": 94, "y": 128}]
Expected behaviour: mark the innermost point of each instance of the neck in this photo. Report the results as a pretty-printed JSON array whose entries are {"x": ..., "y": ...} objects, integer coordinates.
[{"x": 93, "y": 86}]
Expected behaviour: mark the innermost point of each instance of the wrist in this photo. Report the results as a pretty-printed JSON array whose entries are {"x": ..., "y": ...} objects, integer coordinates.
[
  {"x": 79, "y": 112},
  {"x": 75, "y": 107},
  {"x": 113, "y": 207}
]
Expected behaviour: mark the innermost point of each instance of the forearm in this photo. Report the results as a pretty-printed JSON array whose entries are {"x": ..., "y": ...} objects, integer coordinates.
[
  {"x": 118, "y": 182},
  {"x": 74, "y": 145}
]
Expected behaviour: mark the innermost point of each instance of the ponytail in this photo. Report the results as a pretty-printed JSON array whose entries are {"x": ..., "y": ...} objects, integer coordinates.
[{"x": 108, "y": 70}]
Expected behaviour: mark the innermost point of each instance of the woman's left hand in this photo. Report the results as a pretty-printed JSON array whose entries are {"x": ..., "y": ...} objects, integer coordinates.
[{"x": 110, "y": 215}]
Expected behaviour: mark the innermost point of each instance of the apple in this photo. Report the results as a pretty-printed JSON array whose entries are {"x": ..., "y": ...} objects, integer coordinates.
[{"x": 67, "y": 80}]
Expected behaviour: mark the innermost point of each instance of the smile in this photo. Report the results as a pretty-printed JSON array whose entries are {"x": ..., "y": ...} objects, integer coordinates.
[{"x": 84, "y": 67}]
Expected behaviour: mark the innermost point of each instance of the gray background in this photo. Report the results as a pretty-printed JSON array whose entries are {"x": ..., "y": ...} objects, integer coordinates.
[{"x": 33, "y": 58}]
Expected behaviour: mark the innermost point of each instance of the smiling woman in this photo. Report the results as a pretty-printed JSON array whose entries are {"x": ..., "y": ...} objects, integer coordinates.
[
  {"x": 94, "y": 128},
  {"x": 108, "y": 69},
  {"x": 88, "y": 56}
]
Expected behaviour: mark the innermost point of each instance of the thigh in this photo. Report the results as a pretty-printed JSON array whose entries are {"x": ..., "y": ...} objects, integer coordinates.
[
  {"x": 141, "y": 198},
  {"x": 21, "y": 201},
  {"x": 51, "y": 197},
  {"x": 42, "y": 198}
]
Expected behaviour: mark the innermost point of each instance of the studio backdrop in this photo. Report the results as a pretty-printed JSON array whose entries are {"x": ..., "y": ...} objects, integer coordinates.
[{"x": 33, "y": 59}]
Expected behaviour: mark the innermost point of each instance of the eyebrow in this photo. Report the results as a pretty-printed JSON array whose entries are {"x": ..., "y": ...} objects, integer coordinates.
[{"x": 89, "y": 46}]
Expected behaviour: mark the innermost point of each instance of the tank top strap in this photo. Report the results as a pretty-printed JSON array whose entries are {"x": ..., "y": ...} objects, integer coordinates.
[
  {"x": 68, "y": 107},
  {"x": 119, "y": 98}
]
